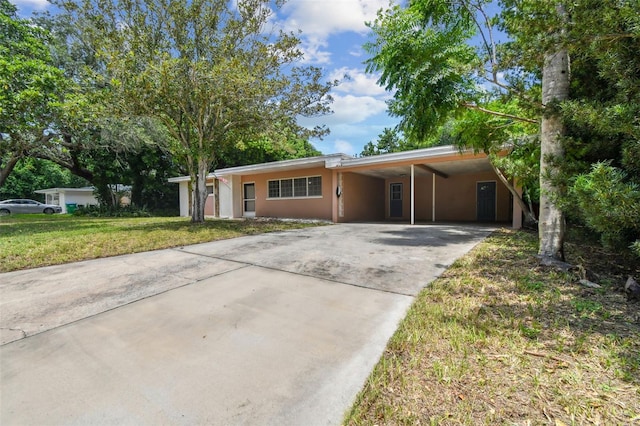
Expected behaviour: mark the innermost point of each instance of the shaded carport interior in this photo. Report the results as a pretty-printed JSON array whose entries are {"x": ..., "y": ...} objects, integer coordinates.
[{"x": 433, "y": 190}]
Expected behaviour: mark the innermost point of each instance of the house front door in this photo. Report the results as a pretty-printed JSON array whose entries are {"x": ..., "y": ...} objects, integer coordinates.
[
  {"x": 249, "y": 200},
  {"x": 395, "y": 200},
  {"x": 486, "y": 199}
]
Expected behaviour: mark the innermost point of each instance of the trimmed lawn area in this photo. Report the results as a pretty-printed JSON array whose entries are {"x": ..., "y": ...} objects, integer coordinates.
[
  {"x": 498, "y": 340},
  {"x": 31, "y": 241}
]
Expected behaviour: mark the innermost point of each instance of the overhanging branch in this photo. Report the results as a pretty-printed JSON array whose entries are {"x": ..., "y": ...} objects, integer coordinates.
[{"x": 499, "y": 114}]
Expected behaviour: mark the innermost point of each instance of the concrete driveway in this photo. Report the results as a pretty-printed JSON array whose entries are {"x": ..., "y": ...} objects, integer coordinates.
[{"x": 278, "y": 328}]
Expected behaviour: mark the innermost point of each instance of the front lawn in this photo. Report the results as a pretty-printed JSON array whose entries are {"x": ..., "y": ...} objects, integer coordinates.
[
  {"x": 498, "y": 340},
  {"x": 30, "y": 241}
]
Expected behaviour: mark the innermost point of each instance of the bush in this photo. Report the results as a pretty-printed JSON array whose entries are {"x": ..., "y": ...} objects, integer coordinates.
[
  {"x": 121, "y": 211},
  {"x": 609, "y": 204}
]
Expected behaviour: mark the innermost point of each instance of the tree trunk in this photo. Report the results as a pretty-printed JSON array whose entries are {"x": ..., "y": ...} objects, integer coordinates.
[
  {"x": 555, "y": 89},
  {"x": 525, "y": 208},
  {"x": 7, "y": 168},
  {"x": 199, "y": 194}
]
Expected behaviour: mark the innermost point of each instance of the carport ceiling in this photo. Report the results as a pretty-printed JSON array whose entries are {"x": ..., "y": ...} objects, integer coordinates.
[{"x": 448, "y": 168}]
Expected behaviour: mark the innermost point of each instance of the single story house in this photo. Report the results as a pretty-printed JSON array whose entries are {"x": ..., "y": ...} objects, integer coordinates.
[
  {"x": 63, "y": 196},
  {"x": 439, "y": 184}
]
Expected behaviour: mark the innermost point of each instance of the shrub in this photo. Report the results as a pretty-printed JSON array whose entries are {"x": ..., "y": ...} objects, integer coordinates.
[
  {"x": 121, "y": 211},
  {"x": 609, "y": 204}
]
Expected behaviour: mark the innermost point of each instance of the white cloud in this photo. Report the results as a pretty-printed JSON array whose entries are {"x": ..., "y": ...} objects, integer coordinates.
[
  {"x": 343, "y": 147},
  {"x": 314, "y": 51},
  {"x": 318, "y": 20},
  {"x": 32, "y": 4},
  {"x": 323, "y": 18},
  {"x": 357, "y": 82},
  {"x": 347, "y": 109},
  {"x": 357, "y": 51}
]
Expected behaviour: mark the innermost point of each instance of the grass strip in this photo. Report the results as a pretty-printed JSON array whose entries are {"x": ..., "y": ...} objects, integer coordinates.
[
  {"x": 30, "y": 241},
  {"x": 499, "y": 340}
]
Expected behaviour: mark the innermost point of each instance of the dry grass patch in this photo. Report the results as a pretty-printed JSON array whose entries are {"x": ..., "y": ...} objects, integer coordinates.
[
  {"x": 499, "y": 340},
  {"x": 29, "y": 241}
]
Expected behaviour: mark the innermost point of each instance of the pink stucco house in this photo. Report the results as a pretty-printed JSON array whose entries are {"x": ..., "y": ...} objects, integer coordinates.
[{"x": 440, "y": 184}]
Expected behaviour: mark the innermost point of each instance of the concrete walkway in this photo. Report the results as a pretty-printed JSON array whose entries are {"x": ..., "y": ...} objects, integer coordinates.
[{"x": 278, "y": 328}]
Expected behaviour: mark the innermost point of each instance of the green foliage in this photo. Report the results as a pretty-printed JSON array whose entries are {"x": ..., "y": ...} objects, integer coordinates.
[
  {"x": 264, "y": 150},
  {"x": 212, "y": 72},
  {"x": 388, "y": 141},
  {"x": 30, "y": 83},
  {"x": 422, "y": 55},
  {"x": 30, "y": 88},
  {"x": 110, "y": 211},
  {"x": 609, "y": 204},
  {"x": 31, "y": 174}
]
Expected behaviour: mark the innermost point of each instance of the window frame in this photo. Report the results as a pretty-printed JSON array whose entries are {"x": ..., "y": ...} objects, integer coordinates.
[{"x": 293, "y": 192}]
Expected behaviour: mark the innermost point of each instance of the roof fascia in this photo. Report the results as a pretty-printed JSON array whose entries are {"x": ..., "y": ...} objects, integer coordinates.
[
  {"x": 328, "y": 161},
  {"x": 397, "y": 157}
]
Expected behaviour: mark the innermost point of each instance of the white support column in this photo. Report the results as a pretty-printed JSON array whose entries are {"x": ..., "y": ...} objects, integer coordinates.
[
  {"x": 413, "y": 195},
  {"x": 433, "y": 199}
]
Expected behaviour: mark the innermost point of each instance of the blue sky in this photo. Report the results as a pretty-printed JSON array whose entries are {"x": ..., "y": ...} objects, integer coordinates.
[{"x": 333, "y": 33}]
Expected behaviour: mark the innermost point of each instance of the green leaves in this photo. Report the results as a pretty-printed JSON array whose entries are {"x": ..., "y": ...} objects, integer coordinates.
[
  {"x": 212, "y": 72},
  {"x": 422, "y": 54},
  {"x": 609, "y": 203}
]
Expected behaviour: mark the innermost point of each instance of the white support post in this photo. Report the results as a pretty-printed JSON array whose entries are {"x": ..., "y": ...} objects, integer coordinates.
[
  {"x": 413, "y": 195},
  {"x": 433, "y": 199}
]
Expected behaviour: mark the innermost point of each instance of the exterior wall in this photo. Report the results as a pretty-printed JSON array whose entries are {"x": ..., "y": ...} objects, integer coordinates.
[
  {"x": 209, "y": 203},
  {"x": 304, "y": 208},
  {"x": 236, "y": 191},
  {"x": 64, "y": 198},
  {"x": 80, "y": 199},
  {"x": 209, "y": 209},
  {"x": 363, "y": 198},
  {"x": 183, "y": 191},
  {"x": 423, "y": 198},
  {"x": 456, "y": 197}
]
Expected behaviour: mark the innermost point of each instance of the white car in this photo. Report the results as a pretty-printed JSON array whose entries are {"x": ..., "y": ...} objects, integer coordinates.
[{"x": 27, "y": 206}]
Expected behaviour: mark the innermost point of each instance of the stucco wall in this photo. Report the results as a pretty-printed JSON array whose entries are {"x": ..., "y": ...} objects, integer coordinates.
[
  {"x": 455, "y": 197},
  {"x": 363, "y": 198},
  {"x": 423, "y": 198},
  {"x": 305, "y": 208}
]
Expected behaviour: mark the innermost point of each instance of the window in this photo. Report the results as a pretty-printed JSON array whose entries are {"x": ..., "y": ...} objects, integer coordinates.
[
  {"x": 296, "y": 188},
  {"x": 286, "y": 188},
  {"x": 274, "y": 189},
  {"x": 315, "y": 186},
  {"x": 300, "y": 187}
]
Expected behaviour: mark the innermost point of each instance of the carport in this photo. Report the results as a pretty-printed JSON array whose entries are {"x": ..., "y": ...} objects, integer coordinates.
[{"x": 433, "y": 185}]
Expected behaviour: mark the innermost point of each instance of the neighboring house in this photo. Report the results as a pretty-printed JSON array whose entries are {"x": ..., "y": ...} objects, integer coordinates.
[
  {"x": 440, "y": 184},
  {"x": 63, "y": 196}
]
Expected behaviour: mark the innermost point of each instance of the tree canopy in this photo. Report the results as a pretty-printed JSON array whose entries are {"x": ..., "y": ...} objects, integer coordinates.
[
  {"x": 30, "y": 89},
  {"x": 562, "y": 87},
  {"x": 213, "y": 73}
]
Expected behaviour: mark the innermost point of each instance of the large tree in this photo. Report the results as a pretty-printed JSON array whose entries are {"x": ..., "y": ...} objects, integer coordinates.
[
  {"x": 440, "y": 55},
  {"x": 30, "y": 88},
  {"x": 213, "y": 72}
]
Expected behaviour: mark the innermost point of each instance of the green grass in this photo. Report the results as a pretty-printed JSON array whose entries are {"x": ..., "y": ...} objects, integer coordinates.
[
  {"x": 498, "y": 340},
  {"x": 30, "y": 241}
]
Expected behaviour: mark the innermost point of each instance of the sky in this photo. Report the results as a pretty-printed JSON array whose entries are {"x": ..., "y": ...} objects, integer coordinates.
[{"x": 332, "y": 38}]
